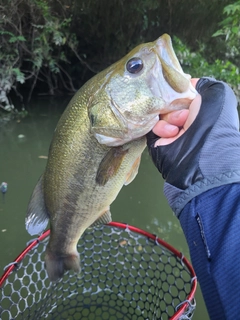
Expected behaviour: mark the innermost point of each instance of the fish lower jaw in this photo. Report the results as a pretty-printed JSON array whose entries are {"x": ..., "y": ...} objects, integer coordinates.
[
  {"x": 135, "y": 131},
  {"x": 108, "y": 141}
]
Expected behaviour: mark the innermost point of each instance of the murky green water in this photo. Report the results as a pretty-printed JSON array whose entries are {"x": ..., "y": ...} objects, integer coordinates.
[{"x": 23, "y": 147}]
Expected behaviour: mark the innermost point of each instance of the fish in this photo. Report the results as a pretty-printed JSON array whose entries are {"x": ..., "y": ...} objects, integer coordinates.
[{"x": 97, "y": 145}]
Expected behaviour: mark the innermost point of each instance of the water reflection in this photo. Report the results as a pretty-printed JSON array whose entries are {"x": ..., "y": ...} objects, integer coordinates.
[{"x": 24, "y": 146}]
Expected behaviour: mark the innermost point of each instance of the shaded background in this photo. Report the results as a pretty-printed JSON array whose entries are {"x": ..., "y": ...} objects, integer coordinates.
[{"x": 53, "y": 47}]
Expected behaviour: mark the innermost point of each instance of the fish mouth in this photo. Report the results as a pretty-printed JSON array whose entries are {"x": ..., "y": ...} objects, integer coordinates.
[
  {"x": 170, "y": 87},
  {"x": 171, "y": 72},
  {"x": 166, "y": 52}
]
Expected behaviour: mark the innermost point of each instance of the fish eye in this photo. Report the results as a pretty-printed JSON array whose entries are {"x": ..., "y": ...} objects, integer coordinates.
[{"x": 134, "y": 65}]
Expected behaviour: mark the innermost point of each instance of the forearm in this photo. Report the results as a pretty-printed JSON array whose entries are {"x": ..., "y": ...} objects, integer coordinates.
[
  {"x": 210, "y": 223},
  {"x": 201, "y": 169},
  {"x": 178, "y": 198},
  {"x": 207, "y": 155}
]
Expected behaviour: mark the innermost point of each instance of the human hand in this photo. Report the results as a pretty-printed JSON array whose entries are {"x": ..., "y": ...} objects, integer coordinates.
[
  {"x": 172, "y": 125},
  {"x": 202, "y": 148}
]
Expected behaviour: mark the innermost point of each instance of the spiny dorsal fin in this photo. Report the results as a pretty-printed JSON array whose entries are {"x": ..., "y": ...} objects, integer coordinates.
[
  {"x": 103, "y": 219},
  {"x": 37, "y": 217},
  {"x": 110, "y": 164}
]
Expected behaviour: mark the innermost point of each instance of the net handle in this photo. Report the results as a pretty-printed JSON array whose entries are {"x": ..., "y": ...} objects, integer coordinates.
[{"x": 182, "y": 307}]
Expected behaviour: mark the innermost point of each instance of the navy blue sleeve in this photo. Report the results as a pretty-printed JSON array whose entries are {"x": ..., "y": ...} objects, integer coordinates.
[
  {"x": 211, "y": 224},
  {"x": 207, "y": 155}
]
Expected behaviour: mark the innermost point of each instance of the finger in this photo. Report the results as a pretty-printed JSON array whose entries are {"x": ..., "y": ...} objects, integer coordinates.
[
  {"x": 167, "y": 138},
  {"x": 165, "y": 141},
  {"x": 194, "y": 81},
  {"x": 165, "y": 130},
  {"x": 169, "y": 127},
  {"x": 193, "y": 111},
  {"x": 176, "y": 118}
]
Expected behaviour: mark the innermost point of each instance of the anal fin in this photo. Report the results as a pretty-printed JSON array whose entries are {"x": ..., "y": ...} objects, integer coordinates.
[
  {"x": 37, "y": 217},
  {"x": 105, "y": 218}
]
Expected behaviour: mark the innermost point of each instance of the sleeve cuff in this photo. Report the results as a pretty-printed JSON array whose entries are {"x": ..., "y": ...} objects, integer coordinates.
[{"x": 178, "y": 198}]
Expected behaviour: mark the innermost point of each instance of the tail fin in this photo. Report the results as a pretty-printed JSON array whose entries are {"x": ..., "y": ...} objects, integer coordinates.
[
  {"x": 37, "y": 216},
  {"x": 57, "y": 264}
]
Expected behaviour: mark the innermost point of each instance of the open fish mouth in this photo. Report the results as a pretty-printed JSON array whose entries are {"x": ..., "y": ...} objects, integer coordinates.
[
  {"x": 160, "y": 86},
  {"x": 169, "y": 81},
  {"x": 171, "y": 68}
]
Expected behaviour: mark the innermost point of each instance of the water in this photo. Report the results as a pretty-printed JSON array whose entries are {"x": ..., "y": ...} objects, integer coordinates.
[{"x": 23, "y": 149}]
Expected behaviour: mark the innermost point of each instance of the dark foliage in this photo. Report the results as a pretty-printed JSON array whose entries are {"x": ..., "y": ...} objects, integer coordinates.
[{"x": 53, "y": 47}]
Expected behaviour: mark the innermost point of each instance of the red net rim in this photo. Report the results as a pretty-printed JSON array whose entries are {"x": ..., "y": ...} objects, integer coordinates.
[{"x": 9, "y": 268}]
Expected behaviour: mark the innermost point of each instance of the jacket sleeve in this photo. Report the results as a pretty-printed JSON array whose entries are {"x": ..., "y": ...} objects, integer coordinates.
[
  {"x": 207, "y": 155},
  {"x": 211, "y": 224}
]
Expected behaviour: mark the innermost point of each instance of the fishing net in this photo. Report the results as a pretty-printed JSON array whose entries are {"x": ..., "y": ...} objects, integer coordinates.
[{"x": 127, "y": 273}]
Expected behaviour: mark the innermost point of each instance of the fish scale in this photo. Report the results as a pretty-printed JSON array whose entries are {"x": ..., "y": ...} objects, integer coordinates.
[{"x": 97, "y": 146}]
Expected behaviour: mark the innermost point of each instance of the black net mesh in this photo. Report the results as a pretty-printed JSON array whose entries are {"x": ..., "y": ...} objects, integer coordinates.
[{"x": 125, "y": 275}]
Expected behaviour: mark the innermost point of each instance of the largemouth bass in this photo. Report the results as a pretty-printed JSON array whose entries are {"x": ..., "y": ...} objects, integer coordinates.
[{"x": 97, "y": 146}]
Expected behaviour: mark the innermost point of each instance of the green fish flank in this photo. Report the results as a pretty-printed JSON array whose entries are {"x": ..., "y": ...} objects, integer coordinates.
[{"x": 97, "y": 146}]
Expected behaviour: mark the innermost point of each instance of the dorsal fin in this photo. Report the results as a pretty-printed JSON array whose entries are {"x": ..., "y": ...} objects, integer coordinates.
[{"x": 37, "y": 217}]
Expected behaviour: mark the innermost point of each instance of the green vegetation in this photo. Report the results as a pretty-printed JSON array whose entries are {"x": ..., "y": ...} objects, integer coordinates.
[
  {"x": 52, "y": 47},
  {"x": 33, "y": 48},
  {"x": 197, "y": 65}
]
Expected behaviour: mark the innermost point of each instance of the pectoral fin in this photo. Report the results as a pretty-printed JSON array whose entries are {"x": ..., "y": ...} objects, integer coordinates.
[
  {"x": 133, "y": 172},
  {"x": 110, "y": 165},
  {"x": 105, "y": 218},
  {"x": 37, "y": 217}
]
